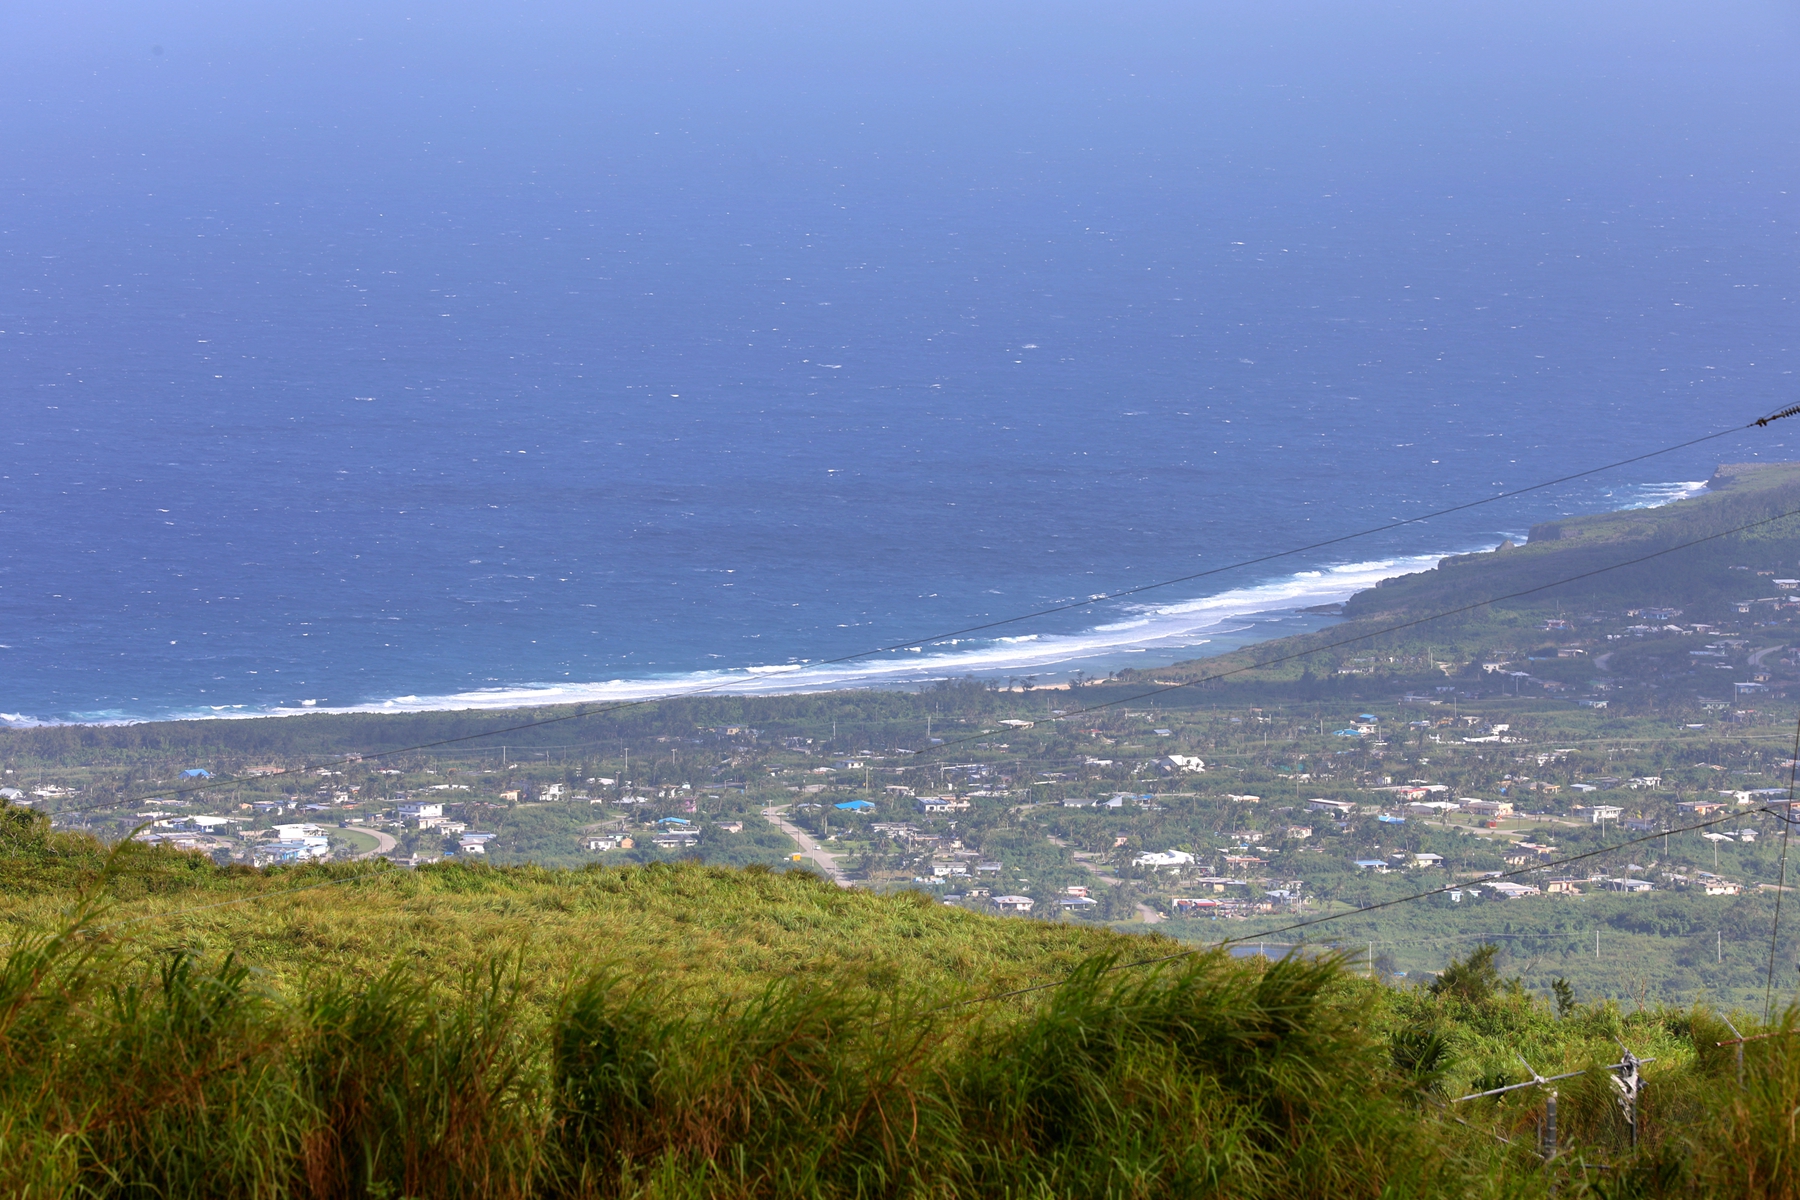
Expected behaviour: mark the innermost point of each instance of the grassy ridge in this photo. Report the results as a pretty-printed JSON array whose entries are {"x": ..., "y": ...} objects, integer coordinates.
[{"x": 695, "y": 1031}]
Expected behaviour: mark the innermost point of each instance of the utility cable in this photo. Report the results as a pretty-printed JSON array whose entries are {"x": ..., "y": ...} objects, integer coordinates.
[
  {"x": 1320, "y": 545},
  {"x": 1266, "y": 934},
  {"x": 1403, "y": 625},
  {"x": 583, "y": 711},
  {"x": 1787, "y": 825}
]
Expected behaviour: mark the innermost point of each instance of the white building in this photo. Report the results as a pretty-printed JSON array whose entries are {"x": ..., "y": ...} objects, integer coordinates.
[
  {"x": 1015, "y": 904},
  {"x": 1596, "y": 813},
  {"x": 287, "y": 850},
  {"x": 1167, "y": 858},
  {"x": 290, "y": 832}
]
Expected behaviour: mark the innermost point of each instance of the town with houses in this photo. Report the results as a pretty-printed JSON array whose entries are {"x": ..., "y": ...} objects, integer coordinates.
[{"x": 1476, "y": 790}]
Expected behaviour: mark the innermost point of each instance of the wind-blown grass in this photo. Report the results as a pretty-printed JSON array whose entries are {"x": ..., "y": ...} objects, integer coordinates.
[{"x": 698, "y": 1050}]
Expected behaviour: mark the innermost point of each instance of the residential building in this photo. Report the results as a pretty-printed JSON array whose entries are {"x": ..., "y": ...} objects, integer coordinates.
[
  {"x": 1596, "y": 813},
  {"x": 289, "y": 850}
]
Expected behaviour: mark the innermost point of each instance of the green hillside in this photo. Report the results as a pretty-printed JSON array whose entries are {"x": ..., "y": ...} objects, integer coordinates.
[
  {"x": 1713, "y": 558},
  {"x": 173, "y": 1028}
]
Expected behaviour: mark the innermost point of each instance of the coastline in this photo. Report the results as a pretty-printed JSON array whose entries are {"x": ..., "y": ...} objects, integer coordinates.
[{"x": 1134, "y": 636}]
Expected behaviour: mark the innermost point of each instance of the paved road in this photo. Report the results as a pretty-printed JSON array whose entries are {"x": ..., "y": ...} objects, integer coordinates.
[
  {"x": 808, "y": 846},
  {"x": 1756, "y": 659},
  {"x": 1146, "y": 914},
  {"x": 1081, "y": 860},
  {"x": 383, "y": 843}
]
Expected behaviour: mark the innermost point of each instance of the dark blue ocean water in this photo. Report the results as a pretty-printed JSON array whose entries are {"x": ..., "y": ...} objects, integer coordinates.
[{"x": 401, "y": 352}]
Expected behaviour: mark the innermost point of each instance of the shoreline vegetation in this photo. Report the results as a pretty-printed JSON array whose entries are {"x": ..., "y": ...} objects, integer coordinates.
[{"x": 544, "y": 1007}]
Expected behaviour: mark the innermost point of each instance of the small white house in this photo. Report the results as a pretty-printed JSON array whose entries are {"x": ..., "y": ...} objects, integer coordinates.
[
  {"x": 1014, "y": 904},
  {"x": 1596, "y": 813}
]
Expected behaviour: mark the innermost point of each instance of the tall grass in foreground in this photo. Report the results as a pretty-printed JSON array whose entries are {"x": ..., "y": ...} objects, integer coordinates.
[
  {"x": 175, "y": 1078},
  {"x": 132, "y": 1071},
  {"x": 1203, "y": 1079}
]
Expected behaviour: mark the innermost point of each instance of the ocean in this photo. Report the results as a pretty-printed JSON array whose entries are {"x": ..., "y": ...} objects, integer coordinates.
[{"x": 432, "y": 357}]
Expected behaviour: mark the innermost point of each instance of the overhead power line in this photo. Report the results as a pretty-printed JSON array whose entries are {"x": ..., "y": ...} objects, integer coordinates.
[
  {"x": 1395, "y": 628},
  {"x": 1312, "y": 922},
  {"x": 1787, "y": 825}
]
